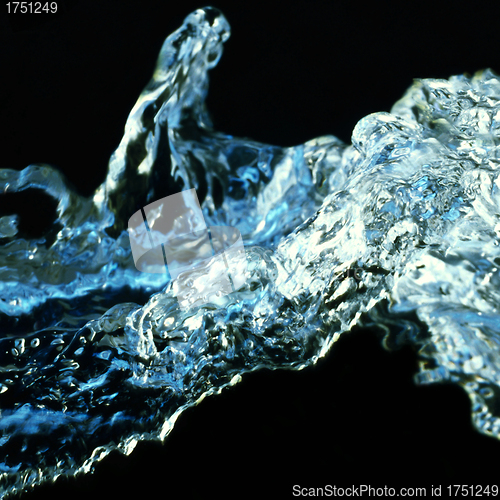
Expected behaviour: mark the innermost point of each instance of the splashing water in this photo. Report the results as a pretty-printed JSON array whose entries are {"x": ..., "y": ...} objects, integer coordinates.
[{"x": 406, "y": 220}]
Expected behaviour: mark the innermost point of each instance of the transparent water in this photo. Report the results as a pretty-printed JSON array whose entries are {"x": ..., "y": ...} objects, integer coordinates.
[{"x": 96, "y": 356}]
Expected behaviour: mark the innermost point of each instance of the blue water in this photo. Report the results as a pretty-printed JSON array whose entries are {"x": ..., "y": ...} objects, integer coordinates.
[{"x": 99, "y": 356}]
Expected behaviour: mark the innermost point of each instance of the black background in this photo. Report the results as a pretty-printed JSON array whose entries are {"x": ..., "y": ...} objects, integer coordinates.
[{"x": 290, "y": 71}]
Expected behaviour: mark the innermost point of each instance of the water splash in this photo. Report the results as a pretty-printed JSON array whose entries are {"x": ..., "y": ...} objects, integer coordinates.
[{"x": 98, "y": 356}]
